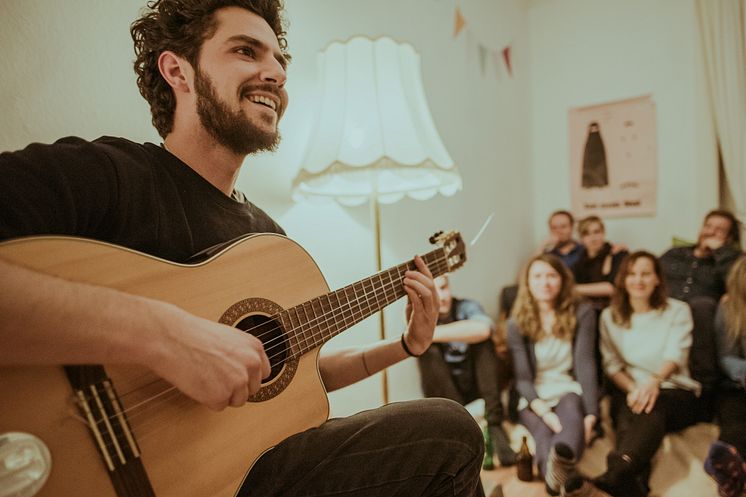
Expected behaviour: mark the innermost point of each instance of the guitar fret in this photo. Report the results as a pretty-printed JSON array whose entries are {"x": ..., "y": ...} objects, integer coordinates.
[
  {"x": 391, "y": 294},
  {"x": 365, "y": 306},
  {"x": 287, "y": 324},
  {"x": 347, "y": 312},
  {"x": 328, "y": 312},
  {"x": 299, "y": 328},
  {"x": 380, "y": 285},
  {"x": 356, "y": 310},
  {"x": 324, "y": 327},
  {"x": 309, "y": 321},
  {"x": 320, "y": 319}
]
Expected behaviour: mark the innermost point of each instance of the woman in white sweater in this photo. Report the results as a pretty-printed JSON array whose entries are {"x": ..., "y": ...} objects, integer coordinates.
[{"x": 645, "y": 339}]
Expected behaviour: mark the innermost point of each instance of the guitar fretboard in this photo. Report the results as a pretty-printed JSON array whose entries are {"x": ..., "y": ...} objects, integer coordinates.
[{"x": 317, "y": 321}]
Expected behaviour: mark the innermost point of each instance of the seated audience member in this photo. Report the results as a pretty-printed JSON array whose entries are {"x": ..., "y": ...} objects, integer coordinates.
[
  {"x": 725, "y": 462},
  {"x": 598, "y": 265},
  {"x": 696, "y": 274},
  {"x": 560, "y": 242},
  {"x": 461, "y": 364},
  {"x": 551, "y": 336},
  {"x": 645, "y": 339}
]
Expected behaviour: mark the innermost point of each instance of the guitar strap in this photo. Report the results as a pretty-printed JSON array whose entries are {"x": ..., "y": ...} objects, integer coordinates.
[{"x": 99, "y": 405}]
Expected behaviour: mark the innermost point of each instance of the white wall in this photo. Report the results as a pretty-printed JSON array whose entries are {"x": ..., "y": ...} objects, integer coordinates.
[
  {"x": 66, "y": 70},
  {"x": 586, "y": 52}
]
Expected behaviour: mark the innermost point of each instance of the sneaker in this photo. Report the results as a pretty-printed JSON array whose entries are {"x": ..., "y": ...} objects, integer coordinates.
[
  {"x": 577, "y": 486},
  {"x": 726, "y": 466},
  {"x": 560, "y": 465},
  {"x": 501, "y": 446}
]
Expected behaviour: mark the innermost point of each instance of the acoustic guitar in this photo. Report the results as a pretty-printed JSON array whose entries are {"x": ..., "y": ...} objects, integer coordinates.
[{"x": 121, "y": 431}]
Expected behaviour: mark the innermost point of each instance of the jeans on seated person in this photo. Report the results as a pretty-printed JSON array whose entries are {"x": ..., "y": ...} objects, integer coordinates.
[
  {"x": 429, "y": 447},
  {"x": 638, "y": 436},
  {"x": 474, "y": 378},
  {"x": 731, "y": 416},
  {"x": 703, "y": 361},
  {"x": 479, "y": 371}
]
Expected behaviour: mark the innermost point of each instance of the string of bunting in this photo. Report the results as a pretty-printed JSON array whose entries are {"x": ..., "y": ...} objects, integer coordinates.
[{"x": 500, "y": 57}]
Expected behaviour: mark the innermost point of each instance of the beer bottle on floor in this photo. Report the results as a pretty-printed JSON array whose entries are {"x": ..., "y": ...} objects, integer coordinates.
[{"x": 525, "y": 462}]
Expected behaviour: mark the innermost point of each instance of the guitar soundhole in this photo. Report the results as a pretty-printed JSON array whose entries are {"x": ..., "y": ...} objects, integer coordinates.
[
  {"x": 254, "y": 315},
  {"x": 270, "y": 332}
]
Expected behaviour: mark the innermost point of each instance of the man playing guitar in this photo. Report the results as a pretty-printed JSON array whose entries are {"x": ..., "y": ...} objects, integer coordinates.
[{"x": 213, "y": 73}]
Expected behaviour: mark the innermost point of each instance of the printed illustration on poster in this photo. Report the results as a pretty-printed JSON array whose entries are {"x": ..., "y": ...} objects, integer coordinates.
[{"x": 613, "y": 158}]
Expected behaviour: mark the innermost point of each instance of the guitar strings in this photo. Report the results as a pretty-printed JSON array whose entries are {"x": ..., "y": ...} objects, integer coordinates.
[
  {"x": 316, "y": 320},
  {"x": 148, "y": 403},
  {"x": 167, "y": 396},
  {"x": 439, "y": 264},
  {"x": 311, "y": 323}
]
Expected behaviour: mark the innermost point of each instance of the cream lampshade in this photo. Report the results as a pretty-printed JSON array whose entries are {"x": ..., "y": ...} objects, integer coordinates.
[{"x": 373, "y": 138}]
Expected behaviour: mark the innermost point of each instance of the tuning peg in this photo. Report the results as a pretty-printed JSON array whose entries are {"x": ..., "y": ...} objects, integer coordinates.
[{"x": 435, "y": 237}]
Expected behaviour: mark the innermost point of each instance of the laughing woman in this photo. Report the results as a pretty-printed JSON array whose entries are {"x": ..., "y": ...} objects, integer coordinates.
[
  {"x": 645, "y": 338},
  {"x": 551, "y": 337}
]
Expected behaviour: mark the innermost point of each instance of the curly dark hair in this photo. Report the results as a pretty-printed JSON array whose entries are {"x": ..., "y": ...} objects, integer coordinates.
[{"x": 181, "y": 26}]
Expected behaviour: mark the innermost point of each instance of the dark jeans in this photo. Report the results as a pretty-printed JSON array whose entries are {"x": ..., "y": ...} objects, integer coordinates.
[
  {"x": 428, "y": 447},
  {"x": 732, "y": 418},
  {"x": 703, "y": 361},
  {"x": 570, "y": 412},
  {"x": 437, "y": 379},
  {"x": 640, "y": 435}
]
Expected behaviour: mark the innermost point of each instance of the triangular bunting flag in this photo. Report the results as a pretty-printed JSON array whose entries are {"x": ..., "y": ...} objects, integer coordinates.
[
  {"x": 482, "y": 57},
  {"x": 459, "y": 22},
  {"x": 506, "y": 58}
]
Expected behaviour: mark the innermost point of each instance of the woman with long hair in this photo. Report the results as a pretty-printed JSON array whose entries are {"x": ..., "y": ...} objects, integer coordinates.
[
  {"x": 551, "y": 336},
  {"x": 645, "y": 341},
  {"x": 725, "y": 462}
]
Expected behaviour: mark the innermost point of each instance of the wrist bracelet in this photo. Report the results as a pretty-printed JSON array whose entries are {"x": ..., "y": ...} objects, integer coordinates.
[{"x": 406, "y": 349}]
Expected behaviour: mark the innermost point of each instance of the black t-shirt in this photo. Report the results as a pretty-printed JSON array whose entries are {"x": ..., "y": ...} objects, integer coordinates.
[{"x": 114, "y": 190}]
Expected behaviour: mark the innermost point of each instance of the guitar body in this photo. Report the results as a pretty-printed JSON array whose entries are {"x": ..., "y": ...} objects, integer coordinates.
[{"x": 185, "y": 448}]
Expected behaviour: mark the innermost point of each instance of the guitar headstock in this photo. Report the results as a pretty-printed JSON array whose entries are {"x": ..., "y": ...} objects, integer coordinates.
[{"x": 453, "y": 247}]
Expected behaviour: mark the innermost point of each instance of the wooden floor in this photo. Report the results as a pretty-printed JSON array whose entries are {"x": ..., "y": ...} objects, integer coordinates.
[{"x": 511, "y": 485}]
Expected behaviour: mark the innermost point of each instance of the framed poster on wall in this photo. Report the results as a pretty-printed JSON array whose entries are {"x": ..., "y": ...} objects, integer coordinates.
[{"x": 613, "y": 158}]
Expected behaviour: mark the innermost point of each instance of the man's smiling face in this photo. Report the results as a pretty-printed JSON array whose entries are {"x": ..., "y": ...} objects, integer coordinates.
[{"x": 239, "y": 82}]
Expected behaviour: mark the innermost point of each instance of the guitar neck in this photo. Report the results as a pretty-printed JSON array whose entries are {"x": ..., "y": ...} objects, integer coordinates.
[{"x": 318, "y": 320}]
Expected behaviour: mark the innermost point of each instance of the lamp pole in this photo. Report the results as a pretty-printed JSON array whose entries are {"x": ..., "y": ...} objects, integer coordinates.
[{"x": 375, "y": 214}]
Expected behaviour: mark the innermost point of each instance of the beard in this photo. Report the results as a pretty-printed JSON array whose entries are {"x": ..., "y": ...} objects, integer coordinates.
[{"x": 231, "y": 129}]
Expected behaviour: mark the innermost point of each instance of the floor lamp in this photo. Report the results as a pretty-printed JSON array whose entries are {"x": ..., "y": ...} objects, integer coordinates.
[{"x": 374, "y": 139}]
